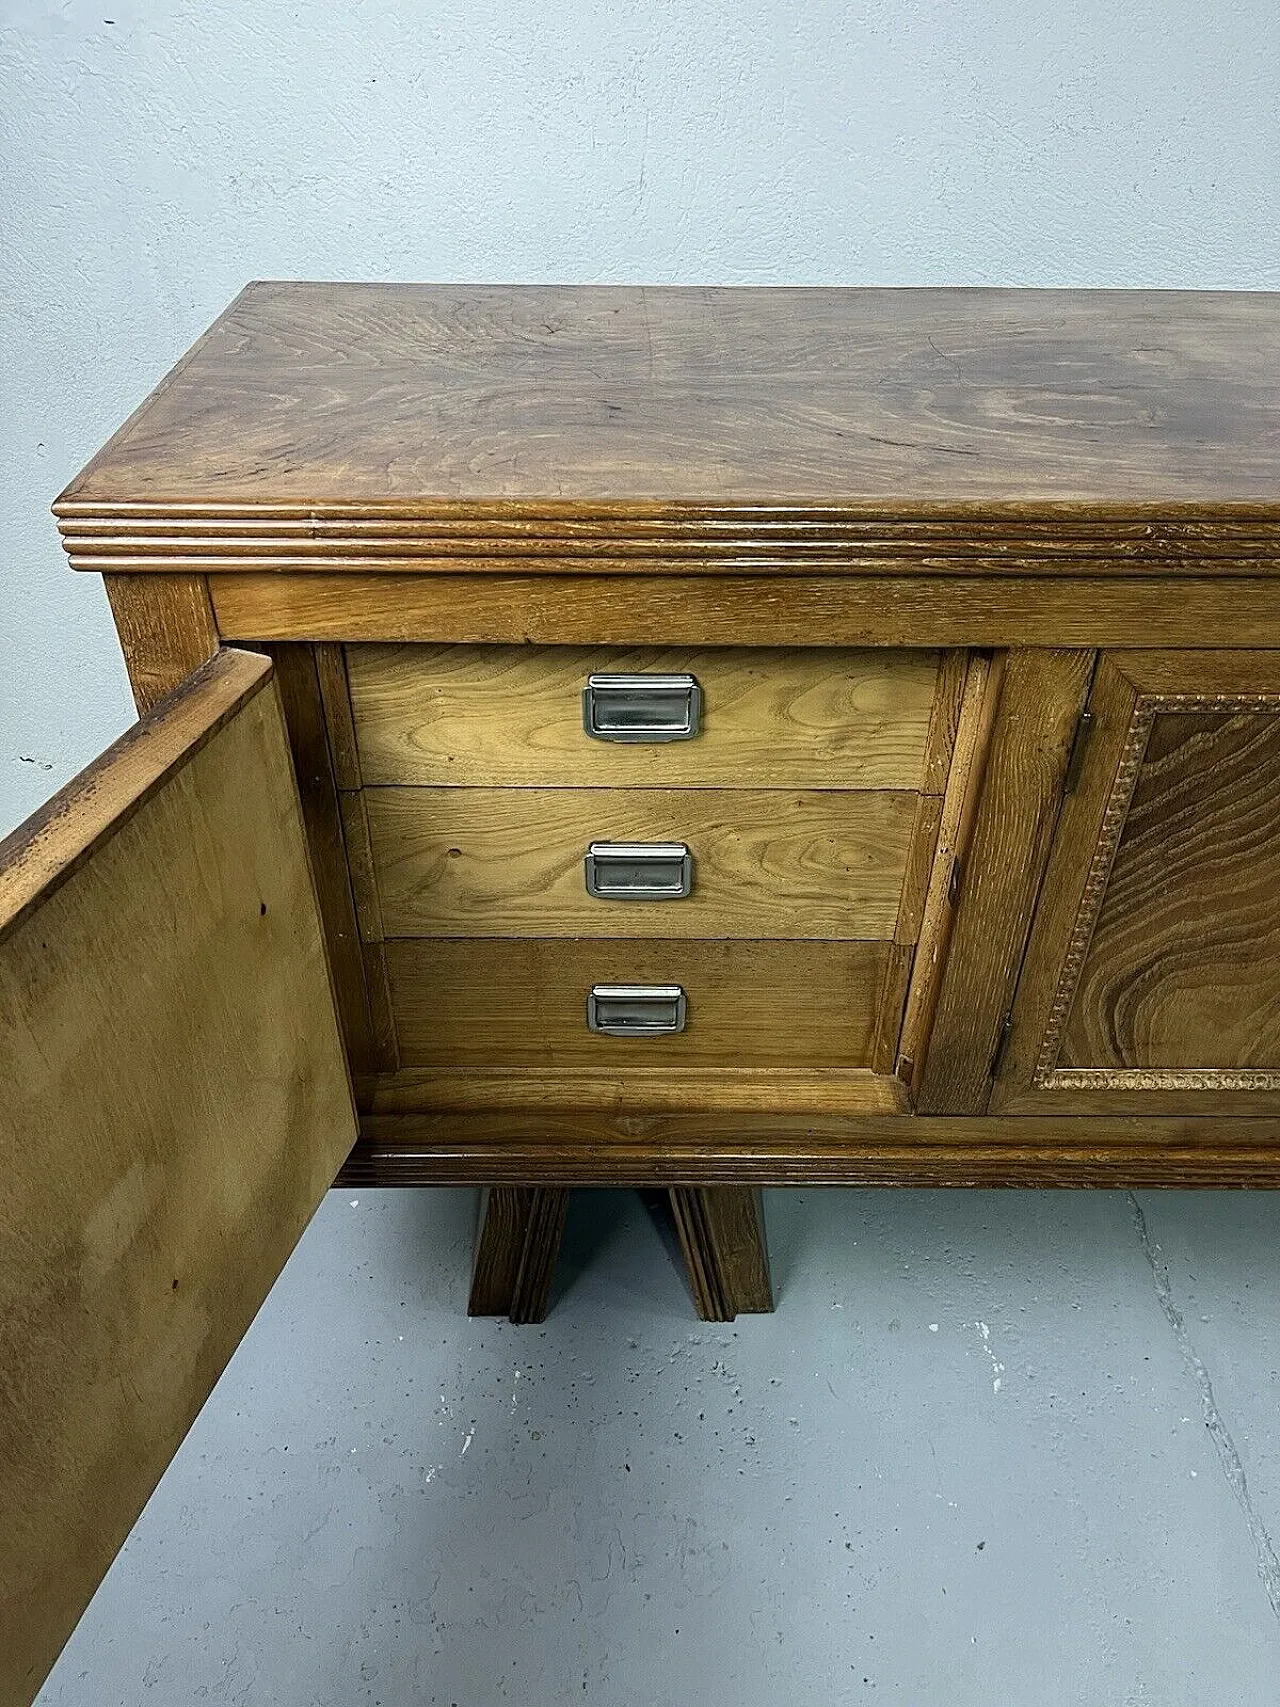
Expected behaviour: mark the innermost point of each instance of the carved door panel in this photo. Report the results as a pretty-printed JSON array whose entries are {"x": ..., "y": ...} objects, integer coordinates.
[{"x": 1151, "y": 980}]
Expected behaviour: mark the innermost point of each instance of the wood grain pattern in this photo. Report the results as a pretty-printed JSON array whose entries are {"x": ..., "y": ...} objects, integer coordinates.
[
  {"x": 636, "y": 1089},
  {"x": 353, "y": 809},
  {"x": 385, "y": 1046},
  {"x": 1150, "y": 978},
  {"x": 517, "y": 1241},
  {"x": 512, "y": 716},
  {"x": 1041, "y": 694},
  {"x": 721, "y": 1231},
  {"x": 724, "y": 417},
  {"x": 922, "y": 844},
  {"x": 964, "y": 547},
  {"x": 891, "y": 1005},
  {"x": 175, "y": 1105},
  {"x": 727, "y": 610},
  {"x": 52, "y": 845},
  {"x": 451, "y": 1148},
  {"x": 1086, "y": 1093},
  {"x": 335, "y": 783},
  {"x": 166, "y": 628},
  {"x": 1112, "y": 702},
  {"x": 382, "y": 1019},
  {"x": 767, "y": 863},
  {"x": 502, "y": 1215},
  {"x": 461, "y": 494},
  {"x": 335, "y": 694},
  {"x": 490, "y": 1003},
  {"x": 1183, "y": 965},
  {"x": 944, "y": 720},
  {"x": 950, "y": 851},
  {"x": 299, "y": 685}
]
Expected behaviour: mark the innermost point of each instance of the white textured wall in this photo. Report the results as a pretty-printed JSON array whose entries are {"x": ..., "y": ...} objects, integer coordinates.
[{"x": 157, "y": 153}]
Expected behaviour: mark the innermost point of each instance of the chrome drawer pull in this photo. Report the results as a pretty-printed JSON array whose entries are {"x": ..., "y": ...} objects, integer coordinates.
[
  {"x": 641, "y": 708},
  {"x": 639, "y": 871},
  {"x": 636, "y": 1010}
]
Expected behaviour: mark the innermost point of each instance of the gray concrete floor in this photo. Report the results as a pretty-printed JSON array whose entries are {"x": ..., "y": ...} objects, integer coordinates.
[{"x": 993, "y": 1447}]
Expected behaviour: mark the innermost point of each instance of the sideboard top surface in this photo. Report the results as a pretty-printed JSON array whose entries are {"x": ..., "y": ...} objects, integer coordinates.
[{"x": 699, "y": 407}]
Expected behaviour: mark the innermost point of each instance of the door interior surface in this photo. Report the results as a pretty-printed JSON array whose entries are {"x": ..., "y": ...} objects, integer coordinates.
[{"x": 175, "y": 1104}]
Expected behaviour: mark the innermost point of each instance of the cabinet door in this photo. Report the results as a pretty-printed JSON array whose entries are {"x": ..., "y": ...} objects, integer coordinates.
[
  {"x": 174, "y": 1104},
  {"x": 1151, "y": 980}
]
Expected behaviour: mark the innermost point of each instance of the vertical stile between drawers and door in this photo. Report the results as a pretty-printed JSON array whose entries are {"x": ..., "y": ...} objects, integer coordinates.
[
  {"x": 952, "y": 695},
  {"x": 966, "y": 762},
  {"x": 335, "y": 698}
]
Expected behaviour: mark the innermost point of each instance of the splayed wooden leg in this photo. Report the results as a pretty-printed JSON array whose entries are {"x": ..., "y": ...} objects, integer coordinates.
[
  {"x": 721, "y": 1232},
  {"x": 517, "y": 1241}
]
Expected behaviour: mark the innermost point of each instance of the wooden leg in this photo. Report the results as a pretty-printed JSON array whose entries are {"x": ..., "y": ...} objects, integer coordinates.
[
  {"x": 517, "y": 1240},
  {"x": 721, "y": 1232}
]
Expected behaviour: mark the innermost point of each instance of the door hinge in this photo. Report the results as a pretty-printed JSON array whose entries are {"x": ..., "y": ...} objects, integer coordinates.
[
  {"x": 1001, "y": 1048},
  {"x": 954, "y": 880},
  {"x": 1079, "y": 746}
]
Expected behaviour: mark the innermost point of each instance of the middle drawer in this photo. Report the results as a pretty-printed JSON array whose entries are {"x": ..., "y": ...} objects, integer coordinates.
[{"x": 471, "y": 862}]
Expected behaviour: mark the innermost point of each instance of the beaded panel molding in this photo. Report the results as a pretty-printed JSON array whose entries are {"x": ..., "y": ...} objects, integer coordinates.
[{"x": 1048, "y": 1075}]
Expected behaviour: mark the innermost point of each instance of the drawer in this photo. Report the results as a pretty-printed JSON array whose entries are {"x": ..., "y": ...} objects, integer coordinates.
[
  {"x": 768, "y": 863},
  {"x": 486, "y": 1003},
  {"x": 509, "y": 716}
]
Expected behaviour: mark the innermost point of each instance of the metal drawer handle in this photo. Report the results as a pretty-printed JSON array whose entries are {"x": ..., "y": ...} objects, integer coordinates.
[
  {"x": 636, "y": 1010},
  {"x": 641, "y": 708},
  {"x": 639, "y": 871}
]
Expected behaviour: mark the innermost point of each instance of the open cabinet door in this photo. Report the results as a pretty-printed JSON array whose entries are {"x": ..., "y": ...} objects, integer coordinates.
[{"x": 174, "y": 1102}]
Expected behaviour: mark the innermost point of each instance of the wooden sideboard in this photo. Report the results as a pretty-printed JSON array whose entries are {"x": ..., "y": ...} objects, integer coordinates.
[{"x": 863, "y": 705}]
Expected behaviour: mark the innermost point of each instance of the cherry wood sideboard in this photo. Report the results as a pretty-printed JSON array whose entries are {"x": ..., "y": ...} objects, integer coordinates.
[{"x": 688, "y": 738}]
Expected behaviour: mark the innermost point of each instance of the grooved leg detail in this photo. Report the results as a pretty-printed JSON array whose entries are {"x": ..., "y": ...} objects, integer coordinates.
[
  {"x": 722, "y": 1236},
  {"x": 531, "y": 1294},
  {"x": 517, "y": 1241}
]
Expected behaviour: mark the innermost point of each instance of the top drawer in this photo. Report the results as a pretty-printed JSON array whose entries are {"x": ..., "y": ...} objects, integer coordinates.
[{"x": 511, "y": 716}]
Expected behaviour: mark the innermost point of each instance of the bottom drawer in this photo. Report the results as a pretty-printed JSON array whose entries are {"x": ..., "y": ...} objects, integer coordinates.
[{"x": 493, "y": 1003}]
